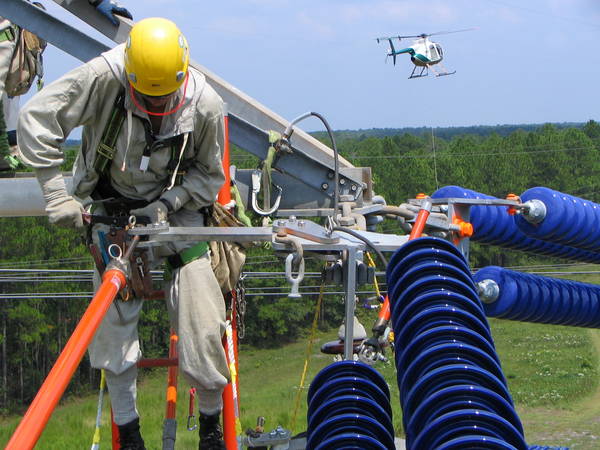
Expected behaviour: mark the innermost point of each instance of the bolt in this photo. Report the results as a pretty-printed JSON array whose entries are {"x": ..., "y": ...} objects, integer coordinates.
[
  {"x": 353, "y": 187},
  {"x": 325, "y": 186},
  {"x": 301, "y": 223},
  {"x": 342, "y": 181}
]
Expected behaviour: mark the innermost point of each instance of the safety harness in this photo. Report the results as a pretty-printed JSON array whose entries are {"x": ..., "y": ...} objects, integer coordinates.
[
  {"x": 8, "y": 34},
  {"x": 107, "y": 149},
  {"x": 113, "y": 202}
]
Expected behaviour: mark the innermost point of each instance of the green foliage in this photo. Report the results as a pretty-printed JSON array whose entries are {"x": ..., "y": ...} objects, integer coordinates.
[
  {"x": 491, "y": 160},
  {"x": 446, "y": 133}
]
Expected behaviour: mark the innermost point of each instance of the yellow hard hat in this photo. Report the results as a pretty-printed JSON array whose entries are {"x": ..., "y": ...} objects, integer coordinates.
[{"x": 156, "y": 57}]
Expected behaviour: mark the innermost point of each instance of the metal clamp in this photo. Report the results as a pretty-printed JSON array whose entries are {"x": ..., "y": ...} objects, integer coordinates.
[
  {"x": 294, "y": 281},
  {"x": 256, "y": 175}
]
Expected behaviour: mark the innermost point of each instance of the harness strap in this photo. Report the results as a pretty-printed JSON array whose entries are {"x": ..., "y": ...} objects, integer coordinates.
[
  {"x": 107, "y": 147},
  {"x": 185, "y": 257},
  {"x": 8, "y": 34}
]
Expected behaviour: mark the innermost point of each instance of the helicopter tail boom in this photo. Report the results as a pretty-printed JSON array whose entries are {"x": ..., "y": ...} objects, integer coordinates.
[{"x": 393, "y": 52}]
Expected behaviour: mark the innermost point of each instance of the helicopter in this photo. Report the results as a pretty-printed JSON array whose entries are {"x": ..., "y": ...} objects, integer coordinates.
[{"x": 424, "y": 53}]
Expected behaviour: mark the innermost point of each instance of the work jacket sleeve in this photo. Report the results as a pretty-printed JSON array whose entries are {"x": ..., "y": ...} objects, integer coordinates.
[
  {"x": 204, "y": 178},
  {"x": 49, "y": 116}
]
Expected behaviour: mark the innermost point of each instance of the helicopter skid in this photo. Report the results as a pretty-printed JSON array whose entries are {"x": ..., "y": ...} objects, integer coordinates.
[
  {"x": 419, "y": 71},
  {"x": 443, "y": 73}
]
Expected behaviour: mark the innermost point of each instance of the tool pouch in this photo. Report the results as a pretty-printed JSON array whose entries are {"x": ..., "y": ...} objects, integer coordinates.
[{"x": 227, "y": 258}]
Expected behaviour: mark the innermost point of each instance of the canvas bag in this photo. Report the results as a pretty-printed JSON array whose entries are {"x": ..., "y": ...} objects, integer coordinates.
[
  {"x": 227, "y": 258},
  {"x": 26, "y": 63}
]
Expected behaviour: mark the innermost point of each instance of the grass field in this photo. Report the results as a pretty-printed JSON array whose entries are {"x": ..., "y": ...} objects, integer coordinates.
[{"x": 552, "y": 371}]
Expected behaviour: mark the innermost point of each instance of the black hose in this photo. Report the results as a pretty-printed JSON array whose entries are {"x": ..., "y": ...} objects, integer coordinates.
[
  {"x": 336, "y": 164},
  {"x": 365, "y": 240}
]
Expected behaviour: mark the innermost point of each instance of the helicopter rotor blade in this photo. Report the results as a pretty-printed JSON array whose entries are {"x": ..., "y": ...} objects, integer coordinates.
[
  {"x": 387, "y": 38},
  {"x": 450, "y": 32}
]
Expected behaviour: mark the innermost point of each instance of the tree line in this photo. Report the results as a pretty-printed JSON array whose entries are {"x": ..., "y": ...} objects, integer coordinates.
[{"x": 34, "y": 330}]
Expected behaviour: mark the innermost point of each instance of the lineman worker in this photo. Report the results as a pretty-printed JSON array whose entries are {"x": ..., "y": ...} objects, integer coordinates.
[
  {"x": 9, "y": 106},
  {"x": 171, "y": 117}
]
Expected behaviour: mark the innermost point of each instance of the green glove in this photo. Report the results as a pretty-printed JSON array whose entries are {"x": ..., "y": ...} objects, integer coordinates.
[{"x": 156, "y": 211}]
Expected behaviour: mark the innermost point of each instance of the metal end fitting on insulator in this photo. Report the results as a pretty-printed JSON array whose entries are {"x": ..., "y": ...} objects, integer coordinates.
[
  {"x": 534, "y": 211},
  {"x": 464, "y": 229},
  {"x": 488, "y": 291}
]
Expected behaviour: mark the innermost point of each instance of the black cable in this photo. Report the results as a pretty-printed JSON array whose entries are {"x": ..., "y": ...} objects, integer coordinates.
[
  {"x": 336, "y": 164},
  {"x": 365, "y": 240}
]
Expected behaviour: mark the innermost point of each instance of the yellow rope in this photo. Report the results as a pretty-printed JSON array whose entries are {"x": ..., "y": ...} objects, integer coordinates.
[
  {"x": 308, "y": 353},
  {"x": 96, "y": 437},
  {"x": 372, "y": 264}
]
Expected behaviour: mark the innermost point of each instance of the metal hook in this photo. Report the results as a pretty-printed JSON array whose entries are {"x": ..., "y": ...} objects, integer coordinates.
[{"x": 256, "y": 175}]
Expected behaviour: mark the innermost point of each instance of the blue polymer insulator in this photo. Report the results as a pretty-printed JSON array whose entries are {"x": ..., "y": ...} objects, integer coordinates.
[
  {"x": 452, "y": 388},
  {"x": 535, "y": 298},
  {"x": 567, "y": 220},
  {"x": 349, "y": 400},
  {"x": 493, "y": 225}
]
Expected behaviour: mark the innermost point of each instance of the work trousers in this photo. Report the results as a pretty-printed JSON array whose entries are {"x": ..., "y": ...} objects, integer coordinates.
[{"x": 197, "y": 314}]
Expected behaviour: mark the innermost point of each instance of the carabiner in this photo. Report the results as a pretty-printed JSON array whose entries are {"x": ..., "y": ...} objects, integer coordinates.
[
  {"x": 191, "y": 420},
  {"x": 256, "y": 175}
]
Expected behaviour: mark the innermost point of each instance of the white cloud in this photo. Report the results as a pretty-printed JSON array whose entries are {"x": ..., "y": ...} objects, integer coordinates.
[{"x": 311, "y": 22}]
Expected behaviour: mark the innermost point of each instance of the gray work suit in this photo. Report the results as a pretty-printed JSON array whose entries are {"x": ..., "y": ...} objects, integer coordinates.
[{"x": 86, "y": 96}]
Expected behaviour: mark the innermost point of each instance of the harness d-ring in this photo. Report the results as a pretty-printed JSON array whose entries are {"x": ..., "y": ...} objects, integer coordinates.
[{"x": 118, "y": 251}]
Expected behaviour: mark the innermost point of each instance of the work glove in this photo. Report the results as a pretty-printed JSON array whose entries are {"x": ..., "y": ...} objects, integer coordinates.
[
  {"x": 156, "y": 212},
  {"x": 65, "y": 212},
  {"x": 62, "y": 209},
  {"x": 110, "y": 8}
]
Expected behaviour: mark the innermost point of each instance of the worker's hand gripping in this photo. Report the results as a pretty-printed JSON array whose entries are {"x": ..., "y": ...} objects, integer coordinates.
[
  {"x": 62, "y": 209},
  {"x": 156, "y": 212},
  {"x": 66, "y": 212},
  {"x": 110, "y": 8}
]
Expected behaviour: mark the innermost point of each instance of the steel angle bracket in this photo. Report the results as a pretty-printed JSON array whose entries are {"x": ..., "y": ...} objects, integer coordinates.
[
  {"x": 469, "y": 201},
  {"x": 194, "y": 234},
  {"x": 55, "y": 31},
  {"x": 306, "y": 229}
]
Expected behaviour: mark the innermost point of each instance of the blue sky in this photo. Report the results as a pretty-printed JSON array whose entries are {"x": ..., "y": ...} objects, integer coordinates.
[{"x": 527, "y": 62}]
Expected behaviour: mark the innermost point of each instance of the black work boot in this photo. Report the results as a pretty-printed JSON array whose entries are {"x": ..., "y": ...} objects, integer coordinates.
[
  {"x": 130, "y": 437},
  {"x": 211, "y": 434}
]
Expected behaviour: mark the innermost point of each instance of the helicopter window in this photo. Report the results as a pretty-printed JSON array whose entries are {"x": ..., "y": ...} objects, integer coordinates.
[
  {"x": 439, "y": 49},
  {"x": 433, "y": 51}
]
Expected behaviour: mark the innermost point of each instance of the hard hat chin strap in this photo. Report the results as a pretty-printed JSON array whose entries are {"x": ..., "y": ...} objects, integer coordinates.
[{"x": 166, "y": 113}]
